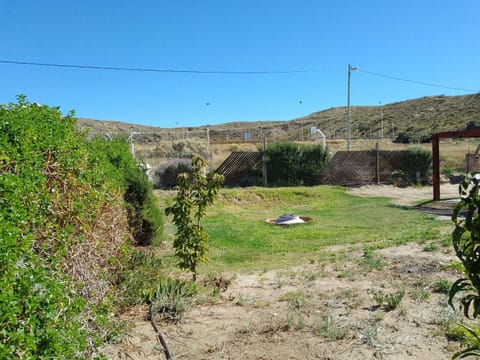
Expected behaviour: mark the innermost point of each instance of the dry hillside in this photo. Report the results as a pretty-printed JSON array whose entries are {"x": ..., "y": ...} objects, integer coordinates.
[{"x": 421, "y": 116}]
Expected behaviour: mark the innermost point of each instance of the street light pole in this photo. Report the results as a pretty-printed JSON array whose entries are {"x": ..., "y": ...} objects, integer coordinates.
[
  {"x": 208, "y": 133},
  {"x": 350, "y": 68}
]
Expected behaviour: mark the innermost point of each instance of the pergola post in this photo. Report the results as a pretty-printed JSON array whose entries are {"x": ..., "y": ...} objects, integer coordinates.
[
  {"x": 472, "y": 133},
  {"x": 436, "y": 167}
]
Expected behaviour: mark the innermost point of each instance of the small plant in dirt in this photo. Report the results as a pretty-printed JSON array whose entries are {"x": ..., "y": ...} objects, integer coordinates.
[
  {"x": 295, "y": 299},
  {"x": 142, "y": 272},
  {"x": 369, "y": 335},
  {"x": 466, "y": 242},
  {"x": 294, "y": 321},
  {"x": 195, "y": 192},
  {"x": 171, "y": 298},
  {"x": 442, "y": 286},
  {"x": 379, "y": 297},
  {"x": 430, "y": 247},
  {"x": 369, "y": 261},
  {"x": 419, "y": 294},
  {"x": 393, "y": 300},
  {"x": 218, "y": 282},
  {"x": 389, "y": 301},
  {"x": 328, "y": 327}
]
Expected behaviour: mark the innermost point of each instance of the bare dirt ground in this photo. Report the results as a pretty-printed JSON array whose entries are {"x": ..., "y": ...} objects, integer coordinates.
[
  {"x": 407, "y": 196},
  {"x": 318, "y": 311}
]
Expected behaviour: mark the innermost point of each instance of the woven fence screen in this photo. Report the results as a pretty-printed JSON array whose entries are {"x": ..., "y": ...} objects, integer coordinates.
[
  {"x": 237, "y": 165},
  {"x": 362, "y": 167}
]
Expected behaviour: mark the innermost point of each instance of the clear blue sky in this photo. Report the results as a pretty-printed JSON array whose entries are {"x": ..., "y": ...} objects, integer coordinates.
[{"x": 430, "y": 41}]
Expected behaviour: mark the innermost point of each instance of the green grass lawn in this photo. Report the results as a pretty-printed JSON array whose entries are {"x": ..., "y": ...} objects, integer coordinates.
[{"x": 241, "y": 240}]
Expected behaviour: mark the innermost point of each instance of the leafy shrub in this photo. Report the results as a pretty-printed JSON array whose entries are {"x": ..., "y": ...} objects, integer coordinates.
[
  {"x": 416, "y": 162},
  {"x": 282, "y": 164},
  {"x": 145, "y": 219},
  {"x": 472, "y": 124},
  {"x": 167, "y": 173},
  {"x": 290, "y": 164},
  {"x": 409, "y": 138},
  {"x": 313, "y": 160},
  {"x": 183, "y": 148},
  {"x": 64, "y": 235},
  {"x": 52, "y": 193}
]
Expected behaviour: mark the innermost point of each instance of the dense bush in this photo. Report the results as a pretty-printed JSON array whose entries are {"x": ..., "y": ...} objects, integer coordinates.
[
  {"x": 290, "y": 164},
  {"x": 182, "y": 148},
  {"x": 313, "y": 160},
  {"x": 145, "y": 219},
  {"x": 471, "y": 125},
  {"x": 416, "y": 166},
  {"x": 165, "y": 175},
  {"x": 409, "y": 138},
  {"x": 64, "y": 234}
]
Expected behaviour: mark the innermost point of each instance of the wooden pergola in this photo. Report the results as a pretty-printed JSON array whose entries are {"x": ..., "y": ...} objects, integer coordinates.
[{"x": 473, "y": 133}]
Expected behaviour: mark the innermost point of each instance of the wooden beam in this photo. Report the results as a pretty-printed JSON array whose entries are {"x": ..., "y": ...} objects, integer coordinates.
[{"x": 473, "y": 133}]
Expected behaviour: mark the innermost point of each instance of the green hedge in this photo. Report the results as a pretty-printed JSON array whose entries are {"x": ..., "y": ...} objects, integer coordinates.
[
  {"x": 61, "y": 197},
  {"x": 291, "y": 164},
  {"x": 416, "y": 161},
  {"x": 145, "y": 218}
]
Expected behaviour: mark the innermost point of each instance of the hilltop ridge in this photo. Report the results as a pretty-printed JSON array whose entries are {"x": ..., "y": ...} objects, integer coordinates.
[{"x": 421, "y": 116}]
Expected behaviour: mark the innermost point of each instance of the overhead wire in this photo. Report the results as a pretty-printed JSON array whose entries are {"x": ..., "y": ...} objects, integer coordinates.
[
  {"x": 260, "y": 72},
  {"x": 415, "y": 81},
  {"x": 115, "y": 68}
]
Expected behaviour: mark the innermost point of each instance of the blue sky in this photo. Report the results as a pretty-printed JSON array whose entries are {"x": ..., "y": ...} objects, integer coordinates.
[{"x": 427, "y": 41}]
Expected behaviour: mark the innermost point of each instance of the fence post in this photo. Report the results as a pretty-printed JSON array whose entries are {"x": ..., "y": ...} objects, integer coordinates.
[
  {"x": 208, "y": 143},
  {"x": 377, "y": 153}
]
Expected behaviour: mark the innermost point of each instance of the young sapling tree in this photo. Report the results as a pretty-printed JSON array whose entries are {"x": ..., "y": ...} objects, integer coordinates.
[{"x": 195, "y": 192}]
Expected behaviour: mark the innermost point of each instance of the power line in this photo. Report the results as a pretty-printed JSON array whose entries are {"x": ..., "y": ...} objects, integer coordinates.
[
  {"x": 415, "y": 81},
  {"x": 115, "y": 68},
  {"x": 261, "y": 72}
]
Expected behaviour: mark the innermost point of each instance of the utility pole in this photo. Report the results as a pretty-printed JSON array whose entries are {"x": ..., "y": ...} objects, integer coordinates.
[
  {"x": 350, "y": 68},
  {"x": 264, "y": 158},
  {"x": 381, "y": 120}
]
